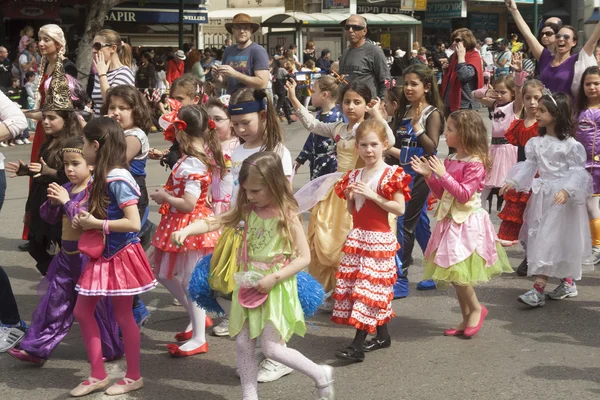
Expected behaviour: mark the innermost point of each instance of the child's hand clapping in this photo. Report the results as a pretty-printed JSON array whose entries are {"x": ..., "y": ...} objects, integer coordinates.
[
  {"x": 364, "y": 190},
  {"x": 561, "y": 197},
  {"x": 58, "y": 194},
  {"x": 437, "y": 166},
  {"x": 160, "y": 195},
  {"x": 349, "y": 192},
  {"x": 86, "y": 221},
  {"x": 177, "y": 238},
  {"x": 421, "y": 166}
]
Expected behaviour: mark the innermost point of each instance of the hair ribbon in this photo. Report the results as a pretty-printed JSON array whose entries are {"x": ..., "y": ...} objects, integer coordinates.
[{"x": 211, "y": 124}]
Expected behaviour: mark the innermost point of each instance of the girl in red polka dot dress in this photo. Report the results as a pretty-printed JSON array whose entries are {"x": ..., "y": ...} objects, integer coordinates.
[
  {"x": 183, "y": 201},
  {"x": 367, "y": 272}
]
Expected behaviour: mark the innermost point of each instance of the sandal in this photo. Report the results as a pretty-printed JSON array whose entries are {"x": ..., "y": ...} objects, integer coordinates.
[
  {"x": 376, "y": 344},
  {"x": 350, "y": 353}
]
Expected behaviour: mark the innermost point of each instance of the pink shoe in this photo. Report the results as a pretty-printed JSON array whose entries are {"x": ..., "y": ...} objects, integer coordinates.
[
  {"x": 23, "y": 356},
  {"x": 453, "y": 332},
  {"x": 471, "y": 331}
]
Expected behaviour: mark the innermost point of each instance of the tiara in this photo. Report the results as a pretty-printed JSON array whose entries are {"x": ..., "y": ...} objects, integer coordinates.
[
  {"x": 547, "y": 92},
  {"x": 72, "y": 150}
]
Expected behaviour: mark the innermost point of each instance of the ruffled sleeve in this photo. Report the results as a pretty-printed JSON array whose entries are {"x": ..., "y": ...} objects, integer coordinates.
[
  {"x": 577, "y": 182},
  {"x": 522, "y": 174},
  {"x": 124, "y": 188},
  {"x": 512, "y": 133},
  {"x": 342, "y": 185},
  {"x": 192, "y": 172},
  {"x": 399, "y": 181}
]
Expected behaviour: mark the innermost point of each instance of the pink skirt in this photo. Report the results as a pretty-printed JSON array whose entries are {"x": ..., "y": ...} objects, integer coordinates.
[
  {"x": 503, "y": 157},
  {"x": 126, "y": 273}
]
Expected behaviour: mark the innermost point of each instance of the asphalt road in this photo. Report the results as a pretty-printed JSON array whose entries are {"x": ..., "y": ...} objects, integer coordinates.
[{"x": 547, "y": 353}]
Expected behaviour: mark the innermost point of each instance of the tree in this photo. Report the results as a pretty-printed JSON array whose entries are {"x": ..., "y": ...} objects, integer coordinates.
[{"x": 94, "y": 22}]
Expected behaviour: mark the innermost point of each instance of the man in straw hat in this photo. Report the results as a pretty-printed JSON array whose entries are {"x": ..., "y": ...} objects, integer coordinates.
[{"x": 245, "y": 64}]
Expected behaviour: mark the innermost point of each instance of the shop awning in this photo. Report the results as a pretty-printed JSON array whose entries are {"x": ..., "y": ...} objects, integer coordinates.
[
  {"x": 334, "y": 19},
  {"x": 259, "y": 14}
]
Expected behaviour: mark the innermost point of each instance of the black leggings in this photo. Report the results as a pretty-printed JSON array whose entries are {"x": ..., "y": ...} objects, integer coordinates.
[
  {"x": 9, "y": 313},
  {"x": 418, "y": 197},
  {"x": 283, "y": 103}
]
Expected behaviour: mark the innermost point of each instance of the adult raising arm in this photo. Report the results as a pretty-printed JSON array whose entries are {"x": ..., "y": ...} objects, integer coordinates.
[{"x": 535, "y": 47}]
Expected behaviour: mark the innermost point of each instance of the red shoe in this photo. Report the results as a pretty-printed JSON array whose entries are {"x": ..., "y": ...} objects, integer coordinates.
[
  {"x": 178, "y": 353},
  {"x": 171, "y": 346},
  {"x": 184, "y": 336},
  {"x": 469, "y": 331},
  {"x": 208, "y": 322},
  {"x": 20, "y": 355},
  {"x": 453, "y": 332}
]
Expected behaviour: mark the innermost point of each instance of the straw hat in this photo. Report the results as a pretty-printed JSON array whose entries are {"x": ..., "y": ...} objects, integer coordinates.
[
  {"x": 179, "y": 54},
  {"x": 242, "y": 19}
]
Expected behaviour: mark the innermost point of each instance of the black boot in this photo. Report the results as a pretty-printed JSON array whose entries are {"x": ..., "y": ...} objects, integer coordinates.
[{"x": 522, "y": 269}]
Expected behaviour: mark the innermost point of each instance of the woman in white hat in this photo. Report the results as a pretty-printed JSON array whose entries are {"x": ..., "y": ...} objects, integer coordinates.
[{"x": 176, "y": 66}]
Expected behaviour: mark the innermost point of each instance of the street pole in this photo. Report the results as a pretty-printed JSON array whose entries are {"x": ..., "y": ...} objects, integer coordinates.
[
  {"x": 181, "y": 24},
  {"x": 535, "y": 17}
]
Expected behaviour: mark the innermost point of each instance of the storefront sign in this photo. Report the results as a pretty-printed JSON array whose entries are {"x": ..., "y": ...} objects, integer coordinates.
[
  {"x": 380, "y": 7},
  {"x": 146, "y": 16},
  {"x": 484, "y": 22},
  {"x": 444, "y": 24},
  {"x": 32, "y": 10},
  {"x": 447, "y": 9},
  {"x": 335, "y": 6},
  {"x": 413, "y": 5}
]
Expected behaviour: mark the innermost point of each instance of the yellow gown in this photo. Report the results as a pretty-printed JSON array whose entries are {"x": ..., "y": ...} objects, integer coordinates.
[{"x": 330, "y": 223}]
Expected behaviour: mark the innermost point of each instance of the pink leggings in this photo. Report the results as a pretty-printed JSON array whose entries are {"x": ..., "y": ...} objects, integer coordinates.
[{"x": 84, "y": 313}]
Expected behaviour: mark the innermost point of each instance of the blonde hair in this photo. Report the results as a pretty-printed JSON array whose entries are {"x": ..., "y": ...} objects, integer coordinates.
[
  {"x": 371, "y": 126},
  {"x": 472, "y": 134},
  {"x": 329, "y": 84},
  {"x": 55, "y": 33},
  {"x": 267, "y": 166},
  {"x": 123, "y": 49}
]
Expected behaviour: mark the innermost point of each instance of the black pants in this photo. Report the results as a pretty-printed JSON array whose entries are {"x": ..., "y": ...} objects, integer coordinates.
[
  {"x": 418, "y": 197},
  {"x": 39, "y": 252},
  {"x": 9, "y": 313},
  {"x": 283, "y": 103}
]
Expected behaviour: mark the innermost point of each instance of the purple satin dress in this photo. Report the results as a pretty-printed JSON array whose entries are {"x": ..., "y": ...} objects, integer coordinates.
[
  {"x": 52, "y": 319},
  {"x": 588, "y": 134}
]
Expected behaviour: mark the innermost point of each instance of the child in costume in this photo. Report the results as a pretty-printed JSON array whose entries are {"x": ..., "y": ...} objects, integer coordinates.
[
  {"x": 53, "y": 317},
  {"x": 318, "y": 150},
  {"x": 122, "y": 269},
  {"x": 505, "y": 109},
  {"x": 588, "y": 134},
  {"x": 463, "y": 248},
  {"x": 366, "y": 275},
  {"x": 275, "y": 249},
  {"x": 418, "y": 123},
  {"x": 182, "y": 201},
  {"x": 222, "y": 189},
  {"x": 518, "y": 134},
  {"x": 555, "y": 228},
  {"x": 330, "y": 221}
]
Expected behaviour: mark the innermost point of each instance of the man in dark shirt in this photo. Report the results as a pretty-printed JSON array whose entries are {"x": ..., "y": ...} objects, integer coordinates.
[
  {"x": 324, "y": 61},
  {"x": 5, "y": 69}
]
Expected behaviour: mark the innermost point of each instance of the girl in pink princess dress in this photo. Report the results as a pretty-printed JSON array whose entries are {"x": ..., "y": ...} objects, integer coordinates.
[{"x": 463, "y": 249}]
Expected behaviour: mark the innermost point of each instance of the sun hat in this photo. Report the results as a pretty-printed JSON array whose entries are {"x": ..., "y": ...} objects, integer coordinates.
[
  {"x": 179, "y": 54},
  {"x": 242, "y": 19}
]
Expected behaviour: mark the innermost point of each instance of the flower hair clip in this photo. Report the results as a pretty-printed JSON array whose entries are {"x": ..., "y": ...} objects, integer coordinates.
[
  {"x": 390, "y": 84},
  {"x": 225, "y": 100},
  {"x": 211, "y": 124}
]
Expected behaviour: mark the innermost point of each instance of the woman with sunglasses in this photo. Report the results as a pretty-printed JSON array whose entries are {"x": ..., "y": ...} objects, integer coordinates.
[
  {"x": 111, "y": 65},
  {"x": 462, "y": 74},
  {"x": 557, "y": 71}
]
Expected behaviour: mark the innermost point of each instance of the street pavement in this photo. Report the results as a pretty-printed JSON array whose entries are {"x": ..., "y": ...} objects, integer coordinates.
[{"x": 521, "y": 353}]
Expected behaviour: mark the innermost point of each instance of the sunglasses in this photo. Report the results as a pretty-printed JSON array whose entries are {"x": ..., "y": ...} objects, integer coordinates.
[
  {"x": 548, "y": 33},
  {"x": 457, "y": 40},
  {"x": 243, "y": 27},
  {"x": 566, "y": 36},
  {"x": 355, "y": 28},
  {"x": 98, "y": 46}
]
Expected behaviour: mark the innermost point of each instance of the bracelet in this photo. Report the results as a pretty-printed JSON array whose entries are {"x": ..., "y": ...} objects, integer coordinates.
[{"x": 105, "y": 227}]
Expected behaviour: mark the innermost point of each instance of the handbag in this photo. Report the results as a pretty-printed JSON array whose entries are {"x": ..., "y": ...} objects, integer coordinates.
[
  {"x": 249, "y": 296},
  {"x": 91, "y": 243}
]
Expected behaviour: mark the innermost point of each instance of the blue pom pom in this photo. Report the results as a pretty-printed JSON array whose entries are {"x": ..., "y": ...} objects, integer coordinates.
[
  {"x": 200, "y": 290},
  {"x": 310, "y": 293}
]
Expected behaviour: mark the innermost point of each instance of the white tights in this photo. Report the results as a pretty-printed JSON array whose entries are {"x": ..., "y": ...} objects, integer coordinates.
[{"x": 273, "y": 349}]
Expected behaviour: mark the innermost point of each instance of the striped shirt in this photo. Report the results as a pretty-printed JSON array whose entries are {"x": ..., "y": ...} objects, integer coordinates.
[{"x": 116, "y": 77}]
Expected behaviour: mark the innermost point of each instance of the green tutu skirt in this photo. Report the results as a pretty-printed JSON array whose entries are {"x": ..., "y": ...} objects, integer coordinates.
[{"x": 471, "y": 271}]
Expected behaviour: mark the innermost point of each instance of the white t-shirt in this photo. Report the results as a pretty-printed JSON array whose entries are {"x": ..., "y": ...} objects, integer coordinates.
[{"x": 240, "y": 154}]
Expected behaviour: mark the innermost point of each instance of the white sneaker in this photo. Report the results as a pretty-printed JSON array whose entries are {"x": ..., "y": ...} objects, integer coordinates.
[
  {"x": 19, "y": 142},
  {"x": 11, "y": 144},
  {"x": 596, "y": 254},
  {"x": 176, "y": 302},
  {"x": 9, "y": 338},
  {"x": 26, "y": 141},
  {"x": 563, "y": 291},
  {"x": 3, "y": 144},
  {"x": 271, "y": 370},
  {"x": 222, "y": 329}
]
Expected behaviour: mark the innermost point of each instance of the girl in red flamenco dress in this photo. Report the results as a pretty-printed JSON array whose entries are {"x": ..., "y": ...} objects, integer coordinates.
[
  {"x": 367, "y": 272},
  {"x": 182, "y": 201}
]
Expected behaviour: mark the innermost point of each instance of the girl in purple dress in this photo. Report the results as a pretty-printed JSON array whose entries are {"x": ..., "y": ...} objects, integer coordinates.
[
  {"x": 53, "y": 318},
  {"x": 588, "y": 134}
]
